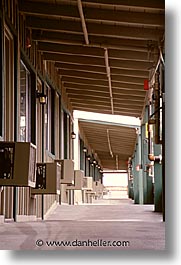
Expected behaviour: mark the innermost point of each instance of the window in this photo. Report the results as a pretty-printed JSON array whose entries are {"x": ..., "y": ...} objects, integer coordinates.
[
  {"x": 65, "y": 136},
  {"x": 39, "y": 123},
  {"x": 25, "y": 110},
  {"x": 1, "y": 81},
  {"x": 60, "y": 128},
  {"x": 8, "y": 85},
  {"x": 50, "y": 120}
]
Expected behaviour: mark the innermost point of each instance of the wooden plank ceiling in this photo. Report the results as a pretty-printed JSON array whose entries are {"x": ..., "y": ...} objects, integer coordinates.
[
  {"x": 103, "y": 51},
  {"x": 119, "y": 34},
  {"x": 112, "y": 144}
]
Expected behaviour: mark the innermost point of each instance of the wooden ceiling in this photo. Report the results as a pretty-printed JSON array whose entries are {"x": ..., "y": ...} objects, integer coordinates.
[
  {"x": 112, "y": 144},
  {"x": 103, "y": 51},
  {"x": 126, "y": 31}
]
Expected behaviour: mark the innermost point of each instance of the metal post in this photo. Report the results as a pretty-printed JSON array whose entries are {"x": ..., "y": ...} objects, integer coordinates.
[
  {"x": 140, "y": 172},
  {"x": 85, "y": 164},
  {"x": 43, "y": 143},
  {"x": 135, "y": 180},
  {"x": 163, "y": 141},
  {"x": 158, "y": 181}
]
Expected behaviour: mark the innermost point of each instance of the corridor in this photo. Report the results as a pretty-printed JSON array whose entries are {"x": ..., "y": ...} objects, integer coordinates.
[
  {"x": 82, "y": 98},
  {"x": 120, "y": 221}
]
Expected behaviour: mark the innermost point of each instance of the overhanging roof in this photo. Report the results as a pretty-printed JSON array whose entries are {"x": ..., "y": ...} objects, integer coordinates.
[
  {"x": 112, "y": 144},
  {"x": 103, "y": 51},
  {"x": 127, "y": 31}
]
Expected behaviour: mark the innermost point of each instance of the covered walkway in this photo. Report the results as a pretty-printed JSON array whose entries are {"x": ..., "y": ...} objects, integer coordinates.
[
  {"x": 135, "y": 226},
  {"x": 82, "y": 94}
]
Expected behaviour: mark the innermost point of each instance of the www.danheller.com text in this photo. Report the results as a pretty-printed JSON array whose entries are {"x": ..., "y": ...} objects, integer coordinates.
[{"x": 82, "y": 243}]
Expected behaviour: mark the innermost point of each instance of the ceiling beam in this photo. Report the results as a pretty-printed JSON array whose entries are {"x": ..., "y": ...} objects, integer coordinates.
[
  {"x": 130, "y": 72},
  {"x": 134, "y": 100},
  {"x": 82, "y": 67},
  {"x": 71, "y": 49},
  {"x": 92, "y": 13},
  {"x": 140, "y": 4},
  {"x": 123, "y": 17},
  {"x": 101, "y": 69},
  {"x": 95, "y": 97},
  {"x": 84, "y": 27},
  {"x": 125, "y": 130},
  {"x": 76, "y": 59},
  {"x": 125, "y": 113},
  {"x": 104, "y": 124},
  {"x": 95, "y": 136},
  {"x": 95, "y": 29},
  {"x": 87, "y": 60},
  {"x": 100, "y": 85},
  {"x": 95, "y": 41},
  {"x": 128, "y": 79},
  {"x": 115, "y": 78},
  {"x": 116, "y": 92},
  {"x": 92, "y": 51},
  {"x": 122, "y": 143},
  {"x": 125, "y": 31},
  {"x": 106, "y": 106},
  {"x": 126, "y": 145},
  {"x": 101, "y": 138},
  {"x": 49, "y": 9},
  {"x": 86, "y": 75}
]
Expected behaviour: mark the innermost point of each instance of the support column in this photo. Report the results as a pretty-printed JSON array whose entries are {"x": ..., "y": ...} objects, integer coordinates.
[
  {"x": 129, "y": 187},
  {"x": 140, "y": 172},
  {"x": 76, "y": 146},
  {"x": 135, "y": 180},
  {"x": 158, "y": 181},
  {"x": 147, "y": 179}
]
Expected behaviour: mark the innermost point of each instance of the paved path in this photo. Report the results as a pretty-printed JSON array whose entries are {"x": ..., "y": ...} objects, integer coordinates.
[{"x": 92, "y": 227}]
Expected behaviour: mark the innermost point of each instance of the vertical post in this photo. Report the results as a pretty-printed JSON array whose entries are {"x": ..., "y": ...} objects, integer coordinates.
[
  {"x": 140, "y": 172},
  {"x": 43, "y": 146},
  {"x": 94, "y": 172},
  {"x": 129, "y": 186},
  {"x": 16, "y": 65},
  {"x": 158, "y": 181},
  {"x": 163, "y": 139},
  {"x": 89, "y": 168},
  {"x": 147, "y": 179},
  {"x": 135, "y": 180},
  {"x": 85, "y": 165},
  {"x": 76, "y": 145}
]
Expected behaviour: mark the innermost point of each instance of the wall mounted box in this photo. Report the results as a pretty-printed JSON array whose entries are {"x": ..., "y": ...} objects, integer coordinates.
[
  {"x": 87, "y": 183},
  {"x": 78, "y": 180},
  {"x": 17, "y": 164},
  {"x": 47, "y": 178},
  {"x": 99, "y": 187},
  {"x": 67, "y": 171}
]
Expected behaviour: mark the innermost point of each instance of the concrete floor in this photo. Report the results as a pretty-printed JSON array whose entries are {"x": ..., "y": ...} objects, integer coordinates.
[{"x": 106, "y": 220}]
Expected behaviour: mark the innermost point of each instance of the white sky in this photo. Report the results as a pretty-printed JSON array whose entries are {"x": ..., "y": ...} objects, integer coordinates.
[
  {"x": 127, "y": 120},
  {"x": 115, "y": 179}
]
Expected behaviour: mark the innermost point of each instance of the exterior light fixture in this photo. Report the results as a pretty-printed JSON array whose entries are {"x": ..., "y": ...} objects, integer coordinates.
[
  {"x": 42, "y": 97},
  {"x": 92, "y": 164},
  {"x": 28, "y": 43},
  {"x": 97, "y": 166},
  {"x": 94, "y": 161},
  {"x": 85, "y": 150},
  {"x": 88, "y": 157},
  {"x": 73, "y": 135},
  {"x": 138, "y": 168}
]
